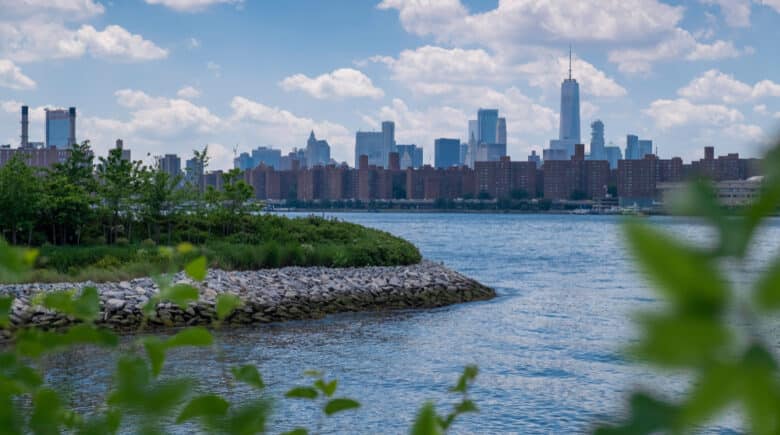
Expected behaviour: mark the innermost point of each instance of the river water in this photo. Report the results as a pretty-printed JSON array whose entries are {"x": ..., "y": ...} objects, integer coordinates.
[{"x": 548, "y": 347}]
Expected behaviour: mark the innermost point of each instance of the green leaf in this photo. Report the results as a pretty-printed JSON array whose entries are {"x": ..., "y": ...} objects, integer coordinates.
[
  {"x": 716, "y": 388},
  {"x": 87, "y": 306},
  {"x": 767, "y": 288},
  {"x": 226, "y": 304},
  {"x": 209, "y": 405},
  {"x": 6, "y": 302},
  {"x": 197, "y": 269},
  {"x": 327, "y": 388},
  {"x": 248, "y": 419},
  {"x": 84, "y": 307},
  {"x": 180, "y": 294},
  {"x": 341, "y": 404},
  {"x": 102, "y": 424},
  {"x": 466, "y": 406},
  {"x": 302, "y": 393},
  {"x": 688, "y": 277},
  {"x": 469, "y": 374},
  {"x": 14, "y": 262},
  {"x": 427, "y": 422},
  {"x": 34, "y": 342},
  {"x": 249, "y": 375},
  {"x": 193, "y": 336},
  {"x": 297, "y": 431},
  {"x": 677, "y": 341},
  {"x": 47, "y": 412},
  {"x": 648, "y": 416},
  {"x": 155, "y": 350}
]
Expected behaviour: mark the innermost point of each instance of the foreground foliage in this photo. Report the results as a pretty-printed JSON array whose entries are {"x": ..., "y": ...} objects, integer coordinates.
[
  {"x": 139, "y": 399},
  {"x": 714, "y": 326}
]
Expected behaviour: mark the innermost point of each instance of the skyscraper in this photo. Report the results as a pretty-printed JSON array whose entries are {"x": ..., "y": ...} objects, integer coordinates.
[
  {"x": 501, "y": 131},
  {"x": 632, "y": 147},
  {"x": 170, "y": 164},
  {"x": 411, "y": 156},
  {"x": 487, "y": 125},
  {"x": 388, "y": 142},
  {"x": 614, "y": 155},
  {"x": 317, "y": 151},
  {"x": 569, "y": 128},
  {"x": 243, "y": 162},
  {"x": 61, "y": 128},
  {"x": 267, "y": 156},
  {"x": 377, "y": 145},
  {"x": 446, "y": 152},
  {"x": 597, "y": 141},
  {"x": 645, "y": 147}
]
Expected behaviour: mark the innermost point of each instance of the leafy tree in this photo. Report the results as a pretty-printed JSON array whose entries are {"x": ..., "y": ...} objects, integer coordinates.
[
  {"x": 158, "y": 199},
  {"x": 20, "y": 198},
  {"x": 578, "y": 195},
  {"x": 69, "y": 189},
  {"x": 118, "y": 180},
  {"x": 519, "y": 194}
]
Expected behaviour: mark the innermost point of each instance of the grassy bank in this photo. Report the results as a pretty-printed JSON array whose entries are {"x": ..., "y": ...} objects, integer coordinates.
[{"x": 273, "y": 241}]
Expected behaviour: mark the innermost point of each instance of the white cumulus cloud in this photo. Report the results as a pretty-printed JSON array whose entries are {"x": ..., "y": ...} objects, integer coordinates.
[
  {"x": 341, "y": 83},
  {"x": 679, "y": 44},
  {"x": 273, "y": 124},
  {"x": 69, "y": 10},
  {"x": 190, "y": 5},
  {"x": 536, "y": 20},
  {"x": 11, "y": 76},
  {"x": 34, "y": 40},
  {"x": 714, "y": 85},
  {"x": 681, "y": 112},
  {"x": 188, "y": 92}
]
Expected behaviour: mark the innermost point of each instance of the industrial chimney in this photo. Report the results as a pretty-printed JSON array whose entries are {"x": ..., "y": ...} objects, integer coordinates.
[
  {"x": 25, "y": 126},
  {"x": 72, "y": 120}
]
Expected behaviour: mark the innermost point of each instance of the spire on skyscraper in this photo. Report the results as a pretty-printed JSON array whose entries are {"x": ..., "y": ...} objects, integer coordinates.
[{"x": 569, "y": 61}]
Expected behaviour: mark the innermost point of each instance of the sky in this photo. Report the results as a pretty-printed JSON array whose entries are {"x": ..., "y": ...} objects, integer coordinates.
[{"x": 171, "y": 76}]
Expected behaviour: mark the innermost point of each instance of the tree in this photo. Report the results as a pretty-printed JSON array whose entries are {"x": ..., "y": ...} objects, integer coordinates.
[
  {"x": 578, "y": 195},
  {"x": 69, "y": 189},
  {"x": 234, "y": 196},
  {"x": 20, "y": 198},
  {"x": 158, "y": 199},
  {"x": 519, "y": 194},
  {"x": 118, "y": 180}
]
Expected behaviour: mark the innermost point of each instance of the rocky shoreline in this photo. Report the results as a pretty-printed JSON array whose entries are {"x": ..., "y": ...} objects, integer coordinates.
[{"x": 267, "y": 295}]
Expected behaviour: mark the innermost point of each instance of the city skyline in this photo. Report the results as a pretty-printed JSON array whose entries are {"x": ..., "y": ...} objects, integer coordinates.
[{"x": 172, "y": 89}]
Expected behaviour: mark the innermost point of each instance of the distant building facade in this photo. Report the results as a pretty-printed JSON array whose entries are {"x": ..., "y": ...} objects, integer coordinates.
[
  {"x": 377, "y": 145},
  {"x": 317, "y": 151},
  {"x": 61, "y": 128},
  {"x": 411, "y": 156},
  {"x": 446, "y": 152}
]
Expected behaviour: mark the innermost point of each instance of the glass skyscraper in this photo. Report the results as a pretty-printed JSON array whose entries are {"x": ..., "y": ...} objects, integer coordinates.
[
  {"x": 61, "y": 128},
  {"x": 446, "y": 152},
  {"x": 597, "y": 141},
  {"x": 377, "y": 145},
  {"x": 411, "y": 156},
  {"x": 487, "y": 123},
  {"x": 569, "y": 127}
]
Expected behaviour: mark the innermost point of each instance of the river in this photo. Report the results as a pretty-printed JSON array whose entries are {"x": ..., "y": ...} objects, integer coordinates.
[{"x": 548, "y": 347}]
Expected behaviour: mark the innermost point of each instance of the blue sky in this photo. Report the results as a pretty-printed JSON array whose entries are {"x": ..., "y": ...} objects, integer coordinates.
[{"x": 173, "y": 75}]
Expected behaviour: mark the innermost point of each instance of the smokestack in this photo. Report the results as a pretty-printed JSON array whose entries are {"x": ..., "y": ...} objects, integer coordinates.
[
  {"x": 25, "y": 126},
  {"x": 72, "y": 119}
]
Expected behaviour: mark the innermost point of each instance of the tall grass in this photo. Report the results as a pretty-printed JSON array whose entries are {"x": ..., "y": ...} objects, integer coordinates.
[{"x": 113, "y": 263}]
